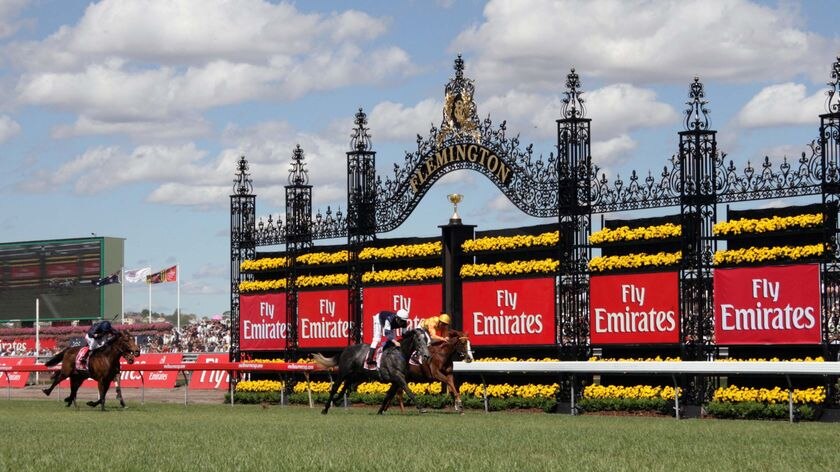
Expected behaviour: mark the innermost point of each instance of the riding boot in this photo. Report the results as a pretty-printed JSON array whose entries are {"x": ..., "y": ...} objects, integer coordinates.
[
  {"x": 85, "y": 358},
  {"x": 370, "y": 357}
]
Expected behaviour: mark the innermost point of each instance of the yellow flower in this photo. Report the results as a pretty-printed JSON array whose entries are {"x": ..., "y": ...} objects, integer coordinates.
[
  {"x": 624, "y": 233},
  {"x": 634, "y": 261},
  {"x": 402, "y": 251},
  {"x": 402, "y": 275},
  {"x": 765, "y": 254},
  {"x": 764, "y": 225},
  {"x": 545, "y": 266},
  {"x": 503, "y": 243}
]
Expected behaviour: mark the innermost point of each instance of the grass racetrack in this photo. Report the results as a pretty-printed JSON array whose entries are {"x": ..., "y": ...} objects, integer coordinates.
[{"x": 46, "y": 436}]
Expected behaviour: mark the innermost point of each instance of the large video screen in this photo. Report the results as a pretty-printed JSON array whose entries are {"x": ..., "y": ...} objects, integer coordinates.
[{"x": 57, "y": 273}]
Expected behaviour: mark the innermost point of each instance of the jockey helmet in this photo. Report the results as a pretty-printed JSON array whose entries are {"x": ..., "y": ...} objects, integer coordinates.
[
  {"x": 402, "y": 314},
  {"x": 444, "y": 318}
]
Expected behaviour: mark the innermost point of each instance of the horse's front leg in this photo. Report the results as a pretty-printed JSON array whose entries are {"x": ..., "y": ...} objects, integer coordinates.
[
  {"x": 403, "y": 385},
  {"x": 119, "y": 391},
  {"x": 449, "y": 381},
  {"x": 388, "y": 397}
]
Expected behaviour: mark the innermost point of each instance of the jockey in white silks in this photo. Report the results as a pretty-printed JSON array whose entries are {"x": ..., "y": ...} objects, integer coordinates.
[{"x": 385, "y": 323}]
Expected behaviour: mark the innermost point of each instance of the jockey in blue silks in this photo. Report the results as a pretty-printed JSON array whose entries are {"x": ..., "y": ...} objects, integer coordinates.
[
  {"x": 385, "y": 323},
  {"x": 97, "y": 336}
]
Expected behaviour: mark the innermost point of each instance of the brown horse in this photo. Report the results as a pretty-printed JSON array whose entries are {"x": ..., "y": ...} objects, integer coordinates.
[
  {"x": 103, "y": 366},
  {"x": 439, "y": 366}
]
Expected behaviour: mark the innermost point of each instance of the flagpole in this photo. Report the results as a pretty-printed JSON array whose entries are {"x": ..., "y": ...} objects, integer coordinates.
[
  {"x": 178, "y": 306},
  {"x": 149, "y": 283},
  {"x": 122, "y": 295}
]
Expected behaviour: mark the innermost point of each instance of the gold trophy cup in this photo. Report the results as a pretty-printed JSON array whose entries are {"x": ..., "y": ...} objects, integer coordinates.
[{"x": 455, "y": 199}]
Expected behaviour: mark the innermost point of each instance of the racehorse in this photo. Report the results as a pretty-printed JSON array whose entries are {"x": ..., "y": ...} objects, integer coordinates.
[
  {"x": 103, "y": 366},
  {"x": 392, "y": 367},
  {"x": 439, "y": 366}
]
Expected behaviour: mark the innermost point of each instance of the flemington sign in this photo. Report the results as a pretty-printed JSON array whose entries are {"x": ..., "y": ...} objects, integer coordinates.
[{"x": 474, "y": 153}]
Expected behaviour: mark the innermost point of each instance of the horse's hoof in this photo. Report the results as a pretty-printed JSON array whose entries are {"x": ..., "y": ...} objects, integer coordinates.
[
  {"x": 92, "y": 404},
  {"x": 423, "y": 410},
  {"x": 46, "y": 391},
  {"x": 324, "y": 411}
]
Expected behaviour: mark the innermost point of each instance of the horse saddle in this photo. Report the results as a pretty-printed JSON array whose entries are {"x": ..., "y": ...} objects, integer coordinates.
[
  {"x": 81, "y": 362},
  {"x": 376, "y": 355}
]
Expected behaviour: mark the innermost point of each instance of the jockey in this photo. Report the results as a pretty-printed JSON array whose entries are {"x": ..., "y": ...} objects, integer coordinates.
[
  {"x": 97, "y": 336},
  {"x": 436, "y": 327},
  {"x": 385, "y": 324}
]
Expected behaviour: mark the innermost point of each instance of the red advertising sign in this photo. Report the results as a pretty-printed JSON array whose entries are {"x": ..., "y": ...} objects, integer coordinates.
[
  {"x": 323, "y": 319},
  {"x": 420, "y": 301},
  {"x": 62, "y": 269},
  {"x": 510, "y": 312},
  {"x": 158, "y": 379},
  {"x": 262, "y": 322},
  {"x": 16, "y": 379},
  {"x": 25, "y": 271},
  {"x": 91, "y": 267},
  {"x": 210, "y": 379},
  {"x": 768, "y": 305},
  {"x": 634, "y": 308},
  {"x": 10, "y": 346}
]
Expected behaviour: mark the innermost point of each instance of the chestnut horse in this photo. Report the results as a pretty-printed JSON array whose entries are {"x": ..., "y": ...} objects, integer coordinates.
[
  {"x": 103, "y": 366},
  {"x": 439, "y": 366}
]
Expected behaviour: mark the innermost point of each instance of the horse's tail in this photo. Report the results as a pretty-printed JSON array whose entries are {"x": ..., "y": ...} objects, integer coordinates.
[
  {"x": 328, "y": 362},
  {"x": 56, "y": 359}
]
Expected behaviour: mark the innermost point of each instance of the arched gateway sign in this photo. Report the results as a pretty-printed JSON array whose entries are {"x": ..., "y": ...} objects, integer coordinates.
[
  {"x": 483, "y": 159},
  {"x": 569, "y": 307}
]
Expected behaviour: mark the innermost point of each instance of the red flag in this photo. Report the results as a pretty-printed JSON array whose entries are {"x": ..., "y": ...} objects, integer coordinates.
[{"x": 170, "y": 274}]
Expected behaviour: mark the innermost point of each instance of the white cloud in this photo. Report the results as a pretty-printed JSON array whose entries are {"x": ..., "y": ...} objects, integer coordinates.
[
  {"x": 781, "y": 105},
  {"x": 395, "y": 121},
  {"x": 609, "y": 153},
  {"x": 616, "y": 109},
  {"x": 8, "y": 128},
  {"x": 9, "y": 10},
  {"x": 114, "y": 74},
  {"x": 534, "y": 43}
]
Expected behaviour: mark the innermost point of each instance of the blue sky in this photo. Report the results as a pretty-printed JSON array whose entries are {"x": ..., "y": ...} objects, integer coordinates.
[{"x": 124, "y": 118}]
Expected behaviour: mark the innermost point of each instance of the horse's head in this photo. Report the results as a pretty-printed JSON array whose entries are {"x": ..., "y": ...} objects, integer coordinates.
[
  {"x": 462, "y": 344},
  {"x": 126, "y": 346},
  {"x": 420, "y": 342}
]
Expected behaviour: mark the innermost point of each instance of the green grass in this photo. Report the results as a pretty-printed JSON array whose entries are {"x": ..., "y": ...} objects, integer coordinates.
[{"x": 46, "y": 436}]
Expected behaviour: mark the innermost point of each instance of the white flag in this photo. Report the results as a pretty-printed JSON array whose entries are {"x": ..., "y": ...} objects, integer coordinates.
[{"x": 137, "y": 275}]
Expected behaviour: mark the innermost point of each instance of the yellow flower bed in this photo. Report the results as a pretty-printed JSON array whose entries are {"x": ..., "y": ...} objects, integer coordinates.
[
  {"x": 402, "y": 251},
  {"x": 316, "y": 258},
  {"x": 402, "y": 275},
  {"x": 634, "y": 392},
  {"x": 507, "y": 391},
  {"x": 765, "y": 254},
  {"x": 316, "y": 387},
  {"x": 502, "y": 243},
  {"x": 766, "y": 225},
  {"x": 259, "y": 386},
  {"x": 265, "y": 263},
  {"x": 261, "y": 285},
  {"x": 733, "y": 393},
  {"x": 634, "y": 261},
  {"x": 322, "y": 280},
  {"x": 545, "y": 266},
  {"x": 624, "y": 233}
]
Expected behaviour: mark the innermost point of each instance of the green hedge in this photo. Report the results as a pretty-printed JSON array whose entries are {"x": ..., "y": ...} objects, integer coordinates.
[
  {"x": 760, "y": 411},
  {"x": 657, "y": 405}
]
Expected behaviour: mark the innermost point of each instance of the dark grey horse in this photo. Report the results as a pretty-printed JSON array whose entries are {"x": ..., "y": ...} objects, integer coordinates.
[{"x": 392, "y": 367}]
